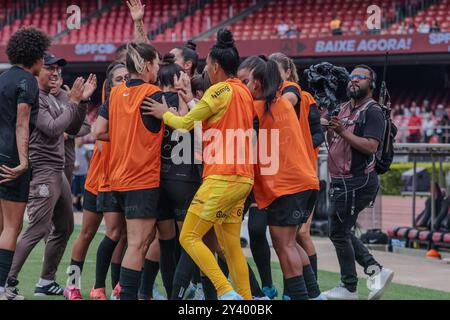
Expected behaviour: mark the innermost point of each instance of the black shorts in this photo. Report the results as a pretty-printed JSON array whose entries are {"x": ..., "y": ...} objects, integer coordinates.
[
  {"x": 107, "y": 202},
  {"x": 175, "y": 198},
  {"x": 90, "y": 202},
  {"x": 138, "y": 204},
  {"x": 18, "y": 189},
  {"x": 291, "y": 210}
]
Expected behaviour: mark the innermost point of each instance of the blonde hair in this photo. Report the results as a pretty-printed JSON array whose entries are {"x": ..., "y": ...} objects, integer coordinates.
[
  {"x": 138, "y": 55},
  {"x": 286, "y": 63},
  {"x": 138, "y": 61}
]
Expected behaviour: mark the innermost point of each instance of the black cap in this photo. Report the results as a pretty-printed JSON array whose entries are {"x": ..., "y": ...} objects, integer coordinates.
[{"x": 50, "y": 59}]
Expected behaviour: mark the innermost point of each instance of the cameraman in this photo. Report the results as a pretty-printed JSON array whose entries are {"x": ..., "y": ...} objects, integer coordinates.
[{"x": 354, "y": 136}]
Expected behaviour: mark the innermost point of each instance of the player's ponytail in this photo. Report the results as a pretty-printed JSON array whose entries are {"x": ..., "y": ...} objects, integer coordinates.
[
  {"x": 267, "y": 73},
  {"x": 287, "y": 64},
  {"x": 138, "y": 55},
  {"x": 224, "y": 52}
]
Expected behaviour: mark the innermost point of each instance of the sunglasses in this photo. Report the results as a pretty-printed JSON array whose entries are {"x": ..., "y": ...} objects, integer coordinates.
[{"x": 354, "y": 77}]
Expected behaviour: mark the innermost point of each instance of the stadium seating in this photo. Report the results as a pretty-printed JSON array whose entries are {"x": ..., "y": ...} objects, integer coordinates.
[
  {"x": 406, "y": 97},
  {"x": 439, "y": 12},
  {"x": 203, "y": 19},
  {"x": 437, "y": 238},
  {"x": 263, "y": 23},
  {"x": 50, "y": 17},
  {"x": 116, "y": 25}
]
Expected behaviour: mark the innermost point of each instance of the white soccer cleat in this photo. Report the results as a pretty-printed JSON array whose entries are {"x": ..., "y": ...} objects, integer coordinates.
[{"x": 341, "y": 293}]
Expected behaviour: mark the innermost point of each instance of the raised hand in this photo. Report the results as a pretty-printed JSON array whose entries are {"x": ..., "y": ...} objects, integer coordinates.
[
  {"x": 89, "y": 86},
  {"x": 183, "y": 85},
  {"x": 137, "y": 9},
  {"x": 76, "y": 93}
]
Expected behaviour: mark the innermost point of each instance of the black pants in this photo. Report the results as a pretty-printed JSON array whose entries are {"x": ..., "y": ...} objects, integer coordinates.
[{"x": 344, "y": 210}]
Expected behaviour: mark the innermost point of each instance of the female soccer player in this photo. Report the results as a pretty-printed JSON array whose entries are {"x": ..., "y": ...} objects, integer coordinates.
[
  {"x": 19, "y": 109},
  {"x": 92, "y": 215},
  {"x": 134, "y": 166},
  {"x": 219, "y": 201},
  {"x": 309, "y": 117},
  {"x": 289, "y": 194},
  {"x": 179, "y": 181}
]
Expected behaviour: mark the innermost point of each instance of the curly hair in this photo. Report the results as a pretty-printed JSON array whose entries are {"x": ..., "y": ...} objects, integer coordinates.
[{"x": 26, "y": 46}]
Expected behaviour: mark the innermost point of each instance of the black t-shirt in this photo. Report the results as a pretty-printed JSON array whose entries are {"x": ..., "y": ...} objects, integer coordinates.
[
  {"x": 169, "y": 169},
  {"x": 371, "y": 127},
  {"x": 16, "y": 86},
  {"x": 295, "y": 91}
]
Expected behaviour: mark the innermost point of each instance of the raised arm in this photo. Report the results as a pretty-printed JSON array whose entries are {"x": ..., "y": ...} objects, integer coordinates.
[{"x": 137, "y": 10}]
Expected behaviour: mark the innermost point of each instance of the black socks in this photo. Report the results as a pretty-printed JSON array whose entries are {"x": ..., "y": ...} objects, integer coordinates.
[
  {"x": 167, "y": 263},
  {"x": 313, "y": 261},
  {"x": 129, "y": 282},
  {"x": 148, "y": 277},
  {"x": 311, "y": 283},
  {"x": 6, "y": 259},
  {"x": 296, "y": 288},
  {"x": 104, "y": 255},
  {"x": 115, "y": 274}
]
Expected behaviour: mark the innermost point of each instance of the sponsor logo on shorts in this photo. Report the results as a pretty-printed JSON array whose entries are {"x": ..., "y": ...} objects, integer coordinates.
[{"x": 296, "y": 214}]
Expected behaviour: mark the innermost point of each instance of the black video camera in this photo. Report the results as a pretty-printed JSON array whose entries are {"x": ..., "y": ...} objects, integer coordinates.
[{"x": 329, "y": 84}]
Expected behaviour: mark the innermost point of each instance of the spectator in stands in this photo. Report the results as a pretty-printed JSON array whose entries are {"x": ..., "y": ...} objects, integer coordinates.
[
  {"x": 426, "y": 106},
  {"x": 440, "y": 112},
  {"x": 401, "y": 122},
  {"x": 406, "y": 111},
  {"x": 335, "y": 26},
  {"x": 293, "y": 29},
  {"x": 402, "y": 28},
  {"x": 423, "y": 27},
  {"x": 435, "y": 27},
  {"x": 444, "y": 129},
  {"x": 414, "y": 108},
  {"x": 428, "y": 126},
  {"x": 414, "y": 125},
  {"x": 282, "y": 28}
]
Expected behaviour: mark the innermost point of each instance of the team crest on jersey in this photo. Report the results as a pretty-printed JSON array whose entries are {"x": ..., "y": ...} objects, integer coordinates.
[{"x": 44, "y": 191}]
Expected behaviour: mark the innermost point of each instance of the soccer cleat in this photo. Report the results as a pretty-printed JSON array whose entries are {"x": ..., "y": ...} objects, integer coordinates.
[
  {"x": 341, "y": 293},
  {"x": 286, "y": 297},
  {"x": 231, "y": 295},
  {"x": 9, "y": 294},
  {"x": 98, "y": 294},
  {"x": 156, "y": 295},
  {"x": 271, "y": 291},
  {"x": 379, "y": 282},
  {"x": 261, "y": 298},
  {"x": 52, "y": 289},
  {"x": 72, "y": 293},
  {"x": 321, "y": 296},
  {"x": 115, "y": 294}
]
